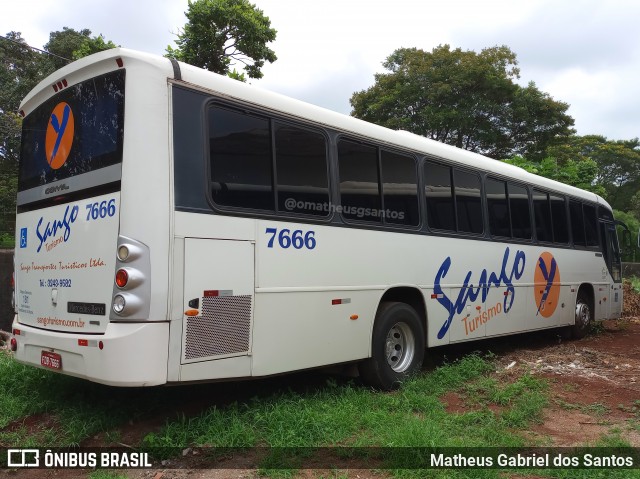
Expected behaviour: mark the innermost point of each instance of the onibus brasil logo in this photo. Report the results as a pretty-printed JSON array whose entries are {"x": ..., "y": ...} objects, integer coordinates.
[{"x": 59, "y": 136}]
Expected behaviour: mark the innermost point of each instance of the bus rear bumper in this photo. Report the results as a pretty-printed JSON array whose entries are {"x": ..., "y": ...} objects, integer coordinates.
[{"x": 132, "y": 354}]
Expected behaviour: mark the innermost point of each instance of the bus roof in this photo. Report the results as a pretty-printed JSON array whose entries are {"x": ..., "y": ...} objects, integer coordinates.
[{"x": 290, "y": 107}]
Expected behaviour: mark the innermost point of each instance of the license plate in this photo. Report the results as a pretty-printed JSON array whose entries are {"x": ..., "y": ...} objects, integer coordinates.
[{"x": 51, "y": 360}]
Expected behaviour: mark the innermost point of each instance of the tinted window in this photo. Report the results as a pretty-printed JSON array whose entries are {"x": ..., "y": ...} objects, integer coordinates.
[
  {"x": 359, "y": 193},
  {"x": 301, "y": 171},
  {"x": 590, "y": 225},
  {"x": 577, "y": 223},
  {"x": 498, "y": 208},
  {"x": 90, "y": 119},
  {"x": 439, "y": 196},
  {"x": 519, "y": 207},
  {"x": 468, "y": 202},
  {"x": 542, "y": 215},
  {"x": 240, "y": 151},
  {"x": 559, "y": 217},
  {"x": 400, "y": 189}
]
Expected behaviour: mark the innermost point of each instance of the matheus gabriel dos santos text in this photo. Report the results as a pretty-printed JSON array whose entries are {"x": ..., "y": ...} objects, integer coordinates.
[{"x": 586, "y": 460}]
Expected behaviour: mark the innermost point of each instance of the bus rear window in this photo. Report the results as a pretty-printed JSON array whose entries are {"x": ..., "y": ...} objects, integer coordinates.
[{"x": 77, "y": 131}]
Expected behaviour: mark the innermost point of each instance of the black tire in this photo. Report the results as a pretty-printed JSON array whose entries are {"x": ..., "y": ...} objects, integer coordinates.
[
  {"x": 397, "y": 347},
  {"x": 583, "y": 318}
]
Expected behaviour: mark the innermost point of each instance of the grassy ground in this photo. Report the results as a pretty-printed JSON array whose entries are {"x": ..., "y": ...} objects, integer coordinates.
[{"x": 498, "y": 408}]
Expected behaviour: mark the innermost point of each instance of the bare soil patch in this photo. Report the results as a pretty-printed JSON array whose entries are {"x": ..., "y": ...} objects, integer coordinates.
[{"x": 595, "y": 385}]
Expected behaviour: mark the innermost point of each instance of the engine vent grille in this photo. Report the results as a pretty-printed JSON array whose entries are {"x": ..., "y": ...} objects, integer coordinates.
[{"x": 223, "y": 327}]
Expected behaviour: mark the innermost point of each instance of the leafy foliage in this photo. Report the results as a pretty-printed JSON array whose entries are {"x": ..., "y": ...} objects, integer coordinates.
[
  {"x": 69, "y": 44},
  {"x": 581, "y": 173},
  {"x": 20, "y": 71},
  {"x": 466, "y": 99},
  {"x": 221, "y": 33},
  {"x": 630, "y": 251}
]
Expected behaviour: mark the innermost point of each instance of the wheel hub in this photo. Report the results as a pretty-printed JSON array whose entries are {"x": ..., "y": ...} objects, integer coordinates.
[{"x": 400, "y": 347}]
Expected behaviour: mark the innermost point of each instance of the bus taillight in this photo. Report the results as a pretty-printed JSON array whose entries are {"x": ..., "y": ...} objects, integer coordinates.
[
  {"x": 122, "y": 278},
  {"x": 132, "y": 285}
]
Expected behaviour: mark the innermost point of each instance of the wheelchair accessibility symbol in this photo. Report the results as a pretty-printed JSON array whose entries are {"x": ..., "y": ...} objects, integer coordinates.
[{"x": 23, "y": 237}]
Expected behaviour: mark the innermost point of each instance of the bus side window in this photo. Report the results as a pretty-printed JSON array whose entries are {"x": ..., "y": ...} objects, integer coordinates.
[
  {"x": 240, "y": 155},
  {"x": 577, "y": 223},
  {"x": 468, "y": 202},
  {"x": 498, "y": 207},
  {"x": 359, "y": 183},
  {"x": 400, "y": 189},
  {"x": 520, "y": 214},
  {"x": 544, "y": 227},
  {"x": 301, "y": 171},
  {"x": 559, "y": 218},
  {"x": 440, "y": 211},
  {"x": 590, "y": 225}
]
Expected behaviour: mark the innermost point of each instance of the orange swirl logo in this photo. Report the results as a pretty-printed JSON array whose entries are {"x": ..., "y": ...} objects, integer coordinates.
[
  {"x": 547, "y": 284},
  {"x": 59, "y": 137}
]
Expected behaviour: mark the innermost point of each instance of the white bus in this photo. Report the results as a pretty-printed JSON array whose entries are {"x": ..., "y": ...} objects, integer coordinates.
[{"x": 175, "y": 225}]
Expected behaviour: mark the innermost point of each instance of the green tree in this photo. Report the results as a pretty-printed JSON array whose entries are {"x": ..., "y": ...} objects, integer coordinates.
[
  {"x": 466, "y": 99},
  {"x": 20, "y": 70},
  {"x": 222, "y": 33},
  {"x": 630, "y": 252},
  {"x": 581, "y": 173},
  {"x": 618, "y": 166},
  {"x": 69, "y": 44}
]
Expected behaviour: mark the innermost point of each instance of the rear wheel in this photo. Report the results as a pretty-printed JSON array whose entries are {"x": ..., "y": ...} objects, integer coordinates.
[
  {"x": 584, "y": 317},
  {"x": 397, "y": 347}
]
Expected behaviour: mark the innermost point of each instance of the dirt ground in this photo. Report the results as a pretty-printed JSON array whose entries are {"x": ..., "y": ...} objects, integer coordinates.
[{"x": 594, "y": 391}]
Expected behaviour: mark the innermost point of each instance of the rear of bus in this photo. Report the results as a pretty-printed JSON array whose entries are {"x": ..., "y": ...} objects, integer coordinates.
[{"x": 93, "y": 221}]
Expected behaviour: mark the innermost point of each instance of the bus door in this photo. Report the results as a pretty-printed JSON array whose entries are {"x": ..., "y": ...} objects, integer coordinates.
[
  {"x": 611, "y": 300},
  {"x": 218, "y": 299}
]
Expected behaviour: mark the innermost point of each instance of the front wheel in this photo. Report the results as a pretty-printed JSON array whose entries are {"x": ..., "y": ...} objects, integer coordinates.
[
  {"x": 397, "y": 347},
  {"x": 584, "y": 318}
]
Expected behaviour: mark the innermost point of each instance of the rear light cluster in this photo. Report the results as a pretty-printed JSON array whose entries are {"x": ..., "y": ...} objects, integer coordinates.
[{"x": 132, "y": 281}]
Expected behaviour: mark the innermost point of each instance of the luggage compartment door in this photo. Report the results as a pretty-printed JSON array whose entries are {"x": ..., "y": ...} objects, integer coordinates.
[{"x": 218, "y": 299}]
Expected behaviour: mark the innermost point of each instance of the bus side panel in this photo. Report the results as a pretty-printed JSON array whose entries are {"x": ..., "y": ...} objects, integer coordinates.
[
  {"x": 218, "y": 299},
  {"x": 616, "y": 301},
  {"x": 300, "y": 330},
  {"x": 318, "y": 290},
  {"x": 510, "y": 311}
]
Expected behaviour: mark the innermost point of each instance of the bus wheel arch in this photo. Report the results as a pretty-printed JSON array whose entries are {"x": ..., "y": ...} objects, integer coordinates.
[
  {"x": 584, "y": 311},
  {"x": 397, "y": 346},
  {"x": 410, "y": 296}
]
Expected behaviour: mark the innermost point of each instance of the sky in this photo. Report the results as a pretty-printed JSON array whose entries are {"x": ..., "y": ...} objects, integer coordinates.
[{"x": 583, "y": 52}]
